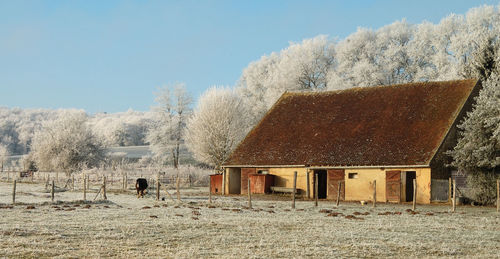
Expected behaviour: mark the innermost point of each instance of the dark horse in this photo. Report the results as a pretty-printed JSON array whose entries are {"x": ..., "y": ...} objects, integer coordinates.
[{"x": 141, "y": 185}]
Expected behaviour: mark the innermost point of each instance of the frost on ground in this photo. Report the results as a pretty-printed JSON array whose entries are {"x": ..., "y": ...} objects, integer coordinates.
[{"x": 125, "y": 226}]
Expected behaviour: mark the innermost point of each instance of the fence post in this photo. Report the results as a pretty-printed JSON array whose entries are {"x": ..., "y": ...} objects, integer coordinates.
[
  {"x": 84, "y": 187},
  {"x": 126, "y": 181},
  {"x": 338, "y": 193},
  {"x": 177, "y": 186},
  {"x": 316, "y": 191},
  {"x": 223, "y": 183},
  {"x": 498, "y": 195},
  {"x": 104, "y": 188},
  {"x": 314, "y": 186},
  {"x": 158, "y": 187},
  {"x": 88, "y": 182},
  {"x": 52, "y": 191},
  {"x": 294, "y": 188},
  {"x": 374, "y": 193},
  {"x": 73, "y": 181},
  {"x": 307, "y": 183},
  {"x": 414, "y": 194},
  {"x": 449, "y": 189},
  {"x": 400, "y": 193},
  {"x": 249, "y": 194},
  {"x": 454, "y": 201},
  {"x": 14, "y": 192}
]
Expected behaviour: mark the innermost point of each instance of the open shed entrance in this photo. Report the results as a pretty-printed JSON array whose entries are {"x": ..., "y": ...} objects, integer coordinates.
[
  {"x": 321, "y": 177},
  {"x": 409, "y": 176},
  {"x": 234, "y": 176}
]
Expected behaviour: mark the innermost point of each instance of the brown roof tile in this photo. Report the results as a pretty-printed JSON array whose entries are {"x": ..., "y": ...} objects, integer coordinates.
[{"x": 383, "y": 125}]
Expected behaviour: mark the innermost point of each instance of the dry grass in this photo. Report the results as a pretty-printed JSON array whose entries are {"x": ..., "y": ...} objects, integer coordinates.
[{"x": 127, "y": 227}]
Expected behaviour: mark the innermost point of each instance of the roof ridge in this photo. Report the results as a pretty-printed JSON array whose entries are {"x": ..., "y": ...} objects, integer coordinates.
[{"x": 371, "y": 87}]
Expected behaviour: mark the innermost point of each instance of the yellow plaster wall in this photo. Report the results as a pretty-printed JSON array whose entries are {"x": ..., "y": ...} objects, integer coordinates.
[
  {"x": 361, "y": 188},
  {"x": 355, "y": 189},
  {"x": 284, "y": 177}
]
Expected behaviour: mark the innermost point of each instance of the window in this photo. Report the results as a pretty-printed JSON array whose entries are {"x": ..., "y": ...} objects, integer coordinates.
[{"x": 353, "y": 175}]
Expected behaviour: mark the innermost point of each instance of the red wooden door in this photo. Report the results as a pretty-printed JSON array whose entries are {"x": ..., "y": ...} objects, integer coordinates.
[
  {"x": 216, "y": 183},
  {"x": 393, "y": 186},
  {"x": 244, "y": 178},
  {"x": 334, "y": 177}
]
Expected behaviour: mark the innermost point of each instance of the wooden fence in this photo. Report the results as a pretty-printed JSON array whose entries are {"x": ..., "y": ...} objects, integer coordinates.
[{"x": 114, "y": 180}]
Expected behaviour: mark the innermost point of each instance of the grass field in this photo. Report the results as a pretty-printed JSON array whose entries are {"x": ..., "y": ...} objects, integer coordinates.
[{"x": 127, "y": 227}]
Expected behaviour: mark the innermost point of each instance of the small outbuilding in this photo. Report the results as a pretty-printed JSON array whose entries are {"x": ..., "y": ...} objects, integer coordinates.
[{"x": 388, "y": 134}]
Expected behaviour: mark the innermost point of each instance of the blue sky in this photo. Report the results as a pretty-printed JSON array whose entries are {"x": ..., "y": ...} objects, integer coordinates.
[{"x": 109, "y": 56}]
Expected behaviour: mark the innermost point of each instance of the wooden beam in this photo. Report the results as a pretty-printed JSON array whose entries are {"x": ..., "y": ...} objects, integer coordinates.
[
  {"x": 249, "y": 194},
  {"x": 316, "y": 191},
  {"x": 294, "y": 188},
  {"x": 414, "y": 194},
  {"x": 338, "y": 193}
]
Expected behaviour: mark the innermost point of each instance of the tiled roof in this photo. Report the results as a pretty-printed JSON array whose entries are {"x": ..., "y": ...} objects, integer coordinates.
[{"x": 383, "y": 125}]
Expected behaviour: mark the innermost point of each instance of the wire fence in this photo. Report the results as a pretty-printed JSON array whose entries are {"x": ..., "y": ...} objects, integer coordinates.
[
  {"x": 116, "y": 179},
  {"x": 38, "y": 187}
]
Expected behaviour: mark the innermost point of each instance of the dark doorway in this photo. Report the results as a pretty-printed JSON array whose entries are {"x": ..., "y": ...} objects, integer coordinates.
[
  {"x": 410, "y": 175},
  {"x": 321, "y": 178}
]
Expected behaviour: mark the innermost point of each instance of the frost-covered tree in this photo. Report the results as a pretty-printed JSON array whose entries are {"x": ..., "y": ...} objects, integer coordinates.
[
  {"x": 484, "y": 61},
  {"x": 217, "y": 126},
  {"x": 67, "y": 144},
  {"x": 18, "y": 125},
  {"x": 166, "y": 134},
  {"x": 123, "y": 128},
  {"x": 300, "y": 67},
  {"x": 357, "y": 61},
  {"x": 478, "y": 150},
  {"x": 4, "y": 153}
]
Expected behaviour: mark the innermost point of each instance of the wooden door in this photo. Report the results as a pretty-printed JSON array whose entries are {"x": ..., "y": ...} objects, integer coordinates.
[
  {"x": 334, "y": 177},
  {"x": 244, "y": 178},
  {"x": 393, "y": 186}
]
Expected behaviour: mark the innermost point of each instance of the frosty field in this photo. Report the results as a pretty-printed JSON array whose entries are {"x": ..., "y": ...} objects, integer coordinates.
[{"x": 127, "y": 227}]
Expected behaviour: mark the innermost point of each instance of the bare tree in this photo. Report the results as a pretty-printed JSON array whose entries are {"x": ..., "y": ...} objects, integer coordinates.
[{"x": 166, "y": 135}]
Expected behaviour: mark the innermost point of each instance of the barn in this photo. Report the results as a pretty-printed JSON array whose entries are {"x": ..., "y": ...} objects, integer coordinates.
[{"x": 388, "y": 134}]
